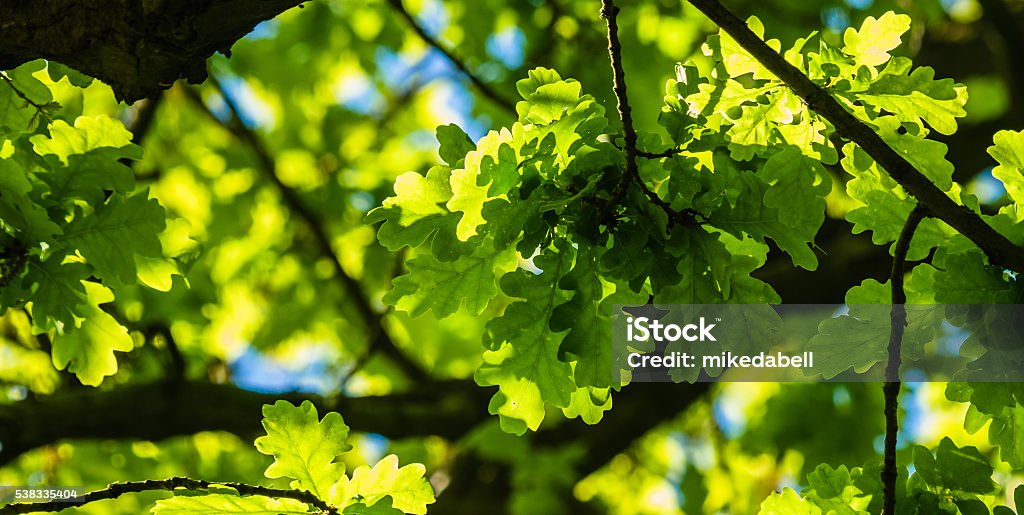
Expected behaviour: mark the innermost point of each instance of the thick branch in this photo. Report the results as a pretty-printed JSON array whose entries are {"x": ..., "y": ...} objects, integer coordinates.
[
  {"x": 449, "y": 410},
  {"x": 161, "y": 410},
  {"x": 481, "y": 86},
  {"x": 116, "y": 490},
  {"x": 379, "y": 337},
  {"x": 891, "y": 389},
  {"x": 138, "y": 48},
  {"x": 1000, "y": 251}
]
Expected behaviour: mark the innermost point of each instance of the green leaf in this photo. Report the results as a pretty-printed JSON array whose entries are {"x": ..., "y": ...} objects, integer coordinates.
[
  {"x": 962, "y": 469},
  {"x": 549, "y": 102},
  {"x": 119, "y": 230},
  {"x": 927, "y": 156},
  {"x": 1007, "y": 432},
  {"x": 588, "y": 333},
  {"x": 1008, "y": 151},
  {"x": 918, "y": 96},
  {"x": 88, "y": 350},
  {"x": 589, "y": 404},
  {"x": 798, "y": 188},
  {"x": 215, "y": 504},
  {"x": 381, "y": 507},
  {"x": 83, "y": 161},
  {"x": 754, "y": 131},
  {"x": 736, "y": 59},
  {"x": 788, "y": 502},
  {"x": 628, "y": 258},
  {"x": 58, "y": 71},
  {"x": 56, "y": 292},
  {"x": 714, "y": 99},
  {"x": 416, "y": 212},
  {"x": 860, "y": 339},
  {"x": 17, "y": 112},
  {"x": 304, "y": 448},
  {"x": 702, "y": 267},
  {"x": 18, "y": 212},
  {"x": 870, "y": 45},
  {"x": 525, "y": 365},
  {"x": 89, "y": 133},
  {"x": 967, "y": 279},
  {"x": 455, "y": 144},
  {"x": 404, "y": 488},
  {"x": 468, "y": 194},
  {"x": 753, "y": 217},
  {"x": 536, "y": 78},
  {"x": 442, "y": 286},
  {"x": 833, "y": 490}
]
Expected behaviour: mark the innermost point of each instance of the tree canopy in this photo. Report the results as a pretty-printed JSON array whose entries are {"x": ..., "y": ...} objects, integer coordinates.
[{"x": 364, "y": 257}]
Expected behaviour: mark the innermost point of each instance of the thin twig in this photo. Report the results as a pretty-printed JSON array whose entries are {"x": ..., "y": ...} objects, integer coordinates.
[
  {"x": 480, "y": 85},
  {"x": 891, "y": 389},
  {"x": 610, "y": 13},
  {"x": 685, "y": 218},
  {"x": 379, "y": 336},
  {"x": 116, "y": 490},
  {"x": 21, "y": 94},
  {"x": 1000, "y": 250}
]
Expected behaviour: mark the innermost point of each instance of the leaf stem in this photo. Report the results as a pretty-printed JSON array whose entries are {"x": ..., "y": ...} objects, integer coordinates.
[{"x": 21, "y": 94}]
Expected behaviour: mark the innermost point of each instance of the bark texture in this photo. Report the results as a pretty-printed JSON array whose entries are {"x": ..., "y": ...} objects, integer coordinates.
[{"x": 138, "y": 47}]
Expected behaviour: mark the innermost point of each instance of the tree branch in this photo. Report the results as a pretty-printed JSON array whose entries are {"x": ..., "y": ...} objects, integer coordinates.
[
  {"x": 379, "y": 336},
  {"x": 1000, "y": 251},
  {"x": 659, "y": 155},
  {"x": 115, "y": 490},
  {"x": 138, "y": 48},
  {"x": 155, "y": 411},
  {"x": 610, "y": 13},
  {"x": 891, "y": 389},
  {"x": 687, "y": 218},
  {"x": 477, "y": 82}
]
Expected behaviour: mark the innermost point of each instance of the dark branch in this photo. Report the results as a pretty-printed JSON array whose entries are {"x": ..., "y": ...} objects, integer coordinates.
[
  {"x": 632, "y": 175},
  {"x": 379, "y": 336},
  {"x": 116, "y": 490},
  {"x": 138, "y": 48},
  {"x": 477, "y": 82},
  {"x": 610, "y": 13},
  {"x": 891, "y": 389},
  {"x": 1000, "y": 251},
  {"x": 157, "y": 411},
  {"x": 660, "y": 155},
  {"x": 685, "y": 218}
]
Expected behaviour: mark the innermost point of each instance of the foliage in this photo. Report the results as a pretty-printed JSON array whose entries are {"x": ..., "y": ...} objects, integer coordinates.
[
  {"x": 269, "y": 214},
  {"x": 304, "y": 448}
]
